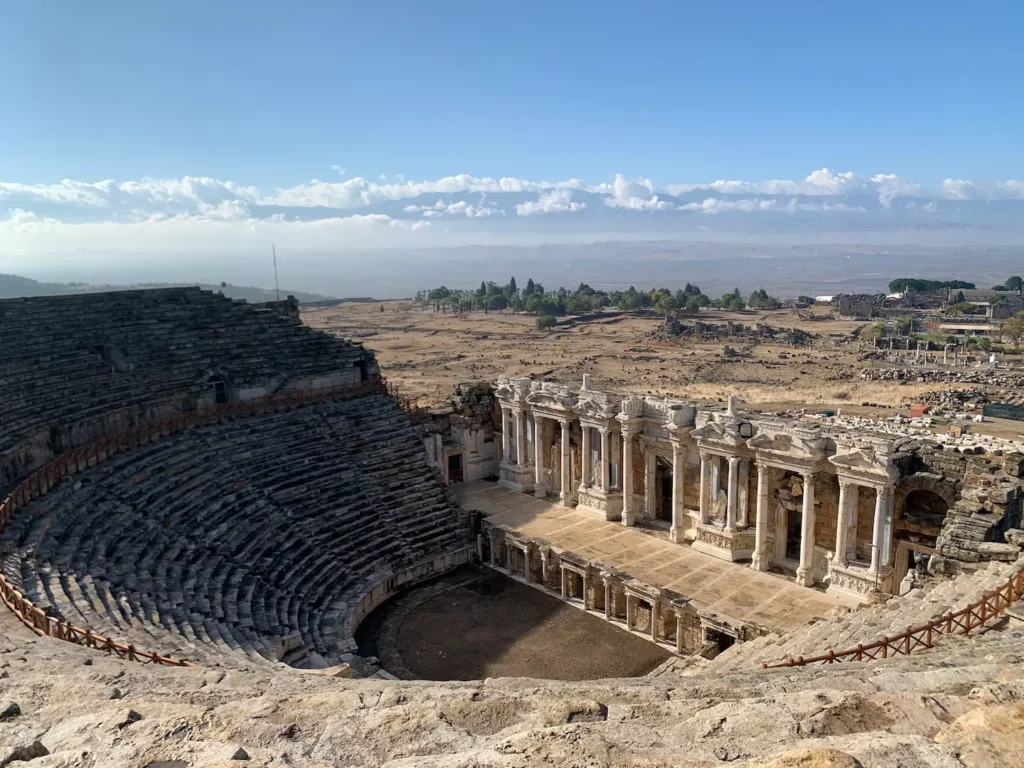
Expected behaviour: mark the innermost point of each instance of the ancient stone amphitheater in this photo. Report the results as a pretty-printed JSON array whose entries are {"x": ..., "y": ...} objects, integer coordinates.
[{"x": 204, "y": 500}]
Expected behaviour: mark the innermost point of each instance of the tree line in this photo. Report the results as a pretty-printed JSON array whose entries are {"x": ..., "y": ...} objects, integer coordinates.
[{"x": 535, "y": 299}]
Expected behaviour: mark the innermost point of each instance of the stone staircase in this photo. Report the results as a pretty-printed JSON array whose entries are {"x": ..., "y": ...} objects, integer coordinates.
[
  {"x": 254, "y": 537},
  {"x": 845, "y": 629}
]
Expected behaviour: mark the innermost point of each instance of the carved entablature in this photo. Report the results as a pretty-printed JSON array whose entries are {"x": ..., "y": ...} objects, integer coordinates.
[
  {"x": 512, "y": 390},
  {"x": 597, "y": 408},
  {"x": 724, "y": 433},
  {"x": 553, "y": 400},
  {"x": 669, "y": 411},
  {"x": 865, "y": 466},
  {"x": 631, "y": 407},
  {"x": 794, "y": 446}
]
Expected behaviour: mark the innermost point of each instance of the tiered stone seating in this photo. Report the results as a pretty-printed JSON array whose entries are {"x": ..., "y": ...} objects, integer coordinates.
[
  {"x": 840, "y": 633},
  {"x": 256, "y": 536},
  {"x": 70, "y": 359}
]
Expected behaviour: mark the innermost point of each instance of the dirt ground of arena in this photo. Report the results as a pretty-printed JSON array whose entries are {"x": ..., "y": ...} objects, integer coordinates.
[{"x": 477, "y": 623}]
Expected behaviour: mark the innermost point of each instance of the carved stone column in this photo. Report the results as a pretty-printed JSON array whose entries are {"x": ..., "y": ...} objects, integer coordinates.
[
  {"x": 628, "y": 516},
  {"x": 506, "y": 436},
  {"x": 606, "y": 482},
  {"x": 655, "y": 618},
  {"x": 538, "y": 457},
  {"x": 705, "y": 487},
  {"x": 606, "y": 577},
  {"x": 760, "y": 559},
  {"x": 733, "y": 493},
  {"x": 587, "y": 459},
  {"x": 566, "y": 494},
  {"x": 843, "y": 521},
  {"x": 521, "y": 458},
  {"x": 880, "y": 540},
  {"x": 805, "y": 571},
  {"x": 678, "y": 475},
  {"x": 565, "y": 585}
]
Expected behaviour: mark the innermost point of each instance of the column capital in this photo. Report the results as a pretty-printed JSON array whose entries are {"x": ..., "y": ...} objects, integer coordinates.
[
  {"x": 809, "y": 475},
  {"x": 734, "y": 460},
  {"x": 705, "y": 455},
  {"x": 846, "y": 484}
]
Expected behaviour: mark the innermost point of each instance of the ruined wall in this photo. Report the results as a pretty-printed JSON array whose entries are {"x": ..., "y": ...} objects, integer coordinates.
[{"x": 975, "y": 526}]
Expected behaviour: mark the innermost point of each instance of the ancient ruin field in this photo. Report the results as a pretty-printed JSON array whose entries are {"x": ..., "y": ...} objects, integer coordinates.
[{"x": 425, "y": 353}]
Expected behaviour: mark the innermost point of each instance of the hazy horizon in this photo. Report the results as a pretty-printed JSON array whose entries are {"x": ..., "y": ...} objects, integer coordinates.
[{"x": 381, "y": 152}]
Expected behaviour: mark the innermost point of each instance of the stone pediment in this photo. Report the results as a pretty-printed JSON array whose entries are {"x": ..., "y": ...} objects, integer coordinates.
[
  {"x": 550, "y": 400},
  {"x": 802, "y": 444},
  {"x": 592, "y": 408},
  {"x": 504, "y": 392},
  {"x": 722, "y": 434},
  {"x": 863, "y": 461}
]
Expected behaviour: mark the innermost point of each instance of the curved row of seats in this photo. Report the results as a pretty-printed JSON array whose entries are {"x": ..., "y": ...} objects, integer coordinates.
[
  {"x": 69, "y": 359},
  {"x": 258, "y": 535}
]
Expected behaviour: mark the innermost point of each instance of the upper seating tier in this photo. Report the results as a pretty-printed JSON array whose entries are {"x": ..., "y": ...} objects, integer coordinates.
[{"x": 74, "y": 367}]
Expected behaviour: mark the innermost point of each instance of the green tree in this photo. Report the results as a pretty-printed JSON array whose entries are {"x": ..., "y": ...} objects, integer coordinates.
[
  {"x": 1013, "y": 329},
  {"x": 482, "y": 290},
  {"x": 512, "y": 290},
  {"x": 873, "y": 331},
  {"x": 546, "y": 322},
  {"x": 498, "y": 302},
  {"x": 666, "y": 303},
  {"x": 530, "y": 288},
  {"x": 1014, "y": 283},
  {"x": 960, "y": 298},
  {"x": 904, "y": 324}
]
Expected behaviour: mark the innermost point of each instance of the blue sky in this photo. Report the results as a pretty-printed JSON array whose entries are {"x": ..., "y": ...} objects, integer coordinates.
[{"x": 266, "y": 97}]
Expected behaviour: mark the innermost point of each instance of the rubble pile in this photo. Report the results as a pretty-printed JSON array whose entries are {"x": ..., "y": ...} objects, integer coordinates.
[
  {"x": 985, "y": 376},
  {"x": 955, "y": 399}
]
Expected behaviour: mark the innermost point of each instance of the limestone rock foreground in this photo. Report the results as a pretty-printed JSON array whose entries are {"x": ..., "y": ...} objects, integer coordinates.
[{"x": 958, "y": 705}]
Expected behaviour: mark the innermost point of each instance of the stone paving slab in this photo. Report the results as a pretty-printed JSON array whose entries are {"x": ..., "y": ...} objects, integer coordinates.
[{"x": 732, "y": 589}]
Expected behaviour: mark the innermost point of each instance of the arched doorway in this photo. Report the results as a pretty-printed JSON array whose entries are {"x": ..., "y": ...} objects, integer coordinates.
[
  {"x": 925, "y": 508},
  {"x": 917, "y": 526},
  {"x": 220, "y": 388}
]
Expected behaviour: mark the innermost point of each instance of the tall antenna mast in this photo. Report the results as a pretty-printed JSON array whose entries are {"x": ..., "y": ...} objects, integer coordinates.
[{"x": 277, "y": 287}]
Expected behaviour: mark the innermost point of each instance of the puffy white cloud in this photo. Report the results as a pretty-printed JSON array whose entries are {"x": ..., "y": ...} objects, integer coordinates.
[
  {"x": 558, "y": 201},
  {"x": 957, "y": 189},
  {"x": 23, "y": 231},
  {"x": 360, "y": 210},
  {"x": 713, "y": 205},
  {"x": 820, "y": 183},
  {"x": 634, "y": 195},
  {"x": 460, "y": 207}
]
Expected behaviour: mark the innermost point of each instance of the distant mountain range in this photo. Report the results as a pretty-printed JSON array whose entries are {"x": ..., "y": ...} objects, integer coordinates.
[{"x": 15, "y": 286}]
